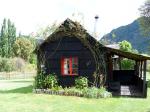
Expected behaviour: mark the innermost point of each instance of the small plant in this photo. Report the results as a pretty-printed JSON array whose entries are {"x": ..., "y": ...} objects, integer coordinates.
[
  {"x": 94, "y": 92},
  {"x": 56, "y": 88},
  {"x": 81, "y": 83},
  {"x": 90, "y": 92},
  {"x": 102, "y": 93},
  {"x": 51, "y": 81},
  {"x": 39, "y": 81},
  {"x": 72, "y": 91}
]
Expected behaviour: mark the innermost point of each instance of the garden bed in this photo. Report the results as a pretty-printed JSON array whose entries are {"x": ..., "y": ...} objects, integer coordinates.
[{"x": 88, "y": 92}]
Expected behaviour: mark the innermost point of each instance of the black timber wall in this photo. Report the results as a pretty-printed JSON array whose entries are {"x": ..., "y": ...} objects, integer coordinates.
[
  {"x": 65, "y": 47},
  {"x": 125, "y": 77}
]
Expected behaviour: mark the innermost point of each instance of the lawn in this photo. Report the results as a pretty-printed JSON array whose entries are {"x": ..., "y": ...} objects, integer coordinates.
[{"x": 17, "y": 96}]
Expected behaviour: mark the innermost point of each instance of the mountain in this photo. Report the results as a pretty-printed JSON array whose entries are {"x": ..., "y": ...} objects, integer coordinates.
[{"x": 131, "y": 33}]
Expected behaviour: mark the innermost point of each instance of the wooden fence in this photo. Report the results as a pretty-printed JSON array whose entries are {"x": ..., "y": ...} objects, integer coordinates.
[{"x": 17, "y": 75}]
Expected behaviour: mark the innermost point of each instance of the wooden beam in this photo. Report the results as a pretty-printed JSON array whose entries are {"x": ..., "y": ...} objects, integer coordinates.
[
  {"x": 110, "y": 67},
  {"x": 119, "y": 63},
  {"x": 141, "y": 67},
  {"x": 136, "y": 68},
  {"x": 144, "y": 80}
]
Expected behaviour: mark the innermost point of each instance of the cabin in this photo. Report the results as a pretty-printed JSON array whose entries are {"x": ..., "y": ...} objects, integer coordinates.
[{"x": 70, "y": 52}]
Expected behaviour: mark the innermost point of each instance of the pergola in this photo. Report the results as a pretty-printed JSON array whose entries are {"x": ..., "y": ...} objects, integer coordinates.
[{"x": 139, "y": 68}]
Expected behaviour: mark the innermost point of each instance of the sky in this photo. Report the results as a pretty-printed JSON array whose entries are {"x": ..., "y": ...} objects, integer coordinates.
[{"x": 30, "y": 15}]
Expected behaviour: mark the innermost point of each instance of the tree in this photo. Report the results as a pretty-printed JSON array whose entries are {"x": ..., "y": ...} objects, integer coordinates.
[
  {"x": 4, "y": 40},
  {"x": 23, "y": 48},
  {"x": 125, "y": 46},
  {"x": 7, "y": 38},
  {"x": 11, "y": 37},
  {"x": 44, "y": 32},
  {"x": 145, "y": 17},
  {"x": 126, "y": 64}
]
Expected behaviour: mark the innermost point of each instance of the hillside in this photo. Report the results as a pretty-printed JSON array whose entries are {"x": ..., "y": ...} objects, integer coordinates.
[{"x": 131, "y": 33}]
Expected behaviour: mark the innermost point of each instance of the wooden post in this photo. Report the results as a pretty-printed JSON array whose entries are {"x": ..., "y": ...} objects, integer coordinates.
[
  {"x": 119, "y": 63},
  {"x": 136, "y": 68},
  {"x": 144, "y": 80},
  {"x": 110, "y": 67},
  {"x": 116, "y": 64},
  {"x": 141, "y": 66}
]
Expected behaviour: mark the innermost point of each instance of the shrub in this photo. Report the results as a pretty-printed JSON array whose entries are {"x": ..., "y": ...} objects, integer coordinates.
[
  {"x": 90, "y": 92},
  {"x": 56, "y": 88},
  {"x": 42, "y": 81},
  {"x": 23, "y": 48},
  {"x": 94, "y": 92},
  {"x": 81, "y": 82},
  {"x": 33, "y": 59},
  {"x": 51, "y": 81},
  {"x": 102, "y": 93},
  {"x": 73, "y": 91},
  {"x": 19, "y": 63},
  {"x": 29, "y": 67},
  {"x": 39, "y": 81},
  {"x": 7, "y": 65}
]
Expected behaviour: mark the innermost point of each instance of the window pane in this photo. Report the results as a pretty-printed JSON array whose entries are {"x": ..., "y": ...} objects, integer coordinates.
[
  {"x": 65, "y": 71},
  {"x": 70, "y": 66},
  {"x": 74, "y": 71},
  {"x": 74, "y": 66},
  {"x": 66, "y": 66}
]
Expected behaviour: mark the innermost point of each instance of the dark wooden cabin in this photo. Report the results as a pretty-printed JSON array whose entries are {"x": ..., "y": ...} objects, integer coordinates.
[{"x": 71, "y": 52}]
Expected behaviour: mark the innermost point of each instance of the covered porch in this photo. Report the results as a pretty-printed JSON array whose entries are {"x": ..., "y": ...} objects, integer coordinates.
[{"x": 126, "y": 81}]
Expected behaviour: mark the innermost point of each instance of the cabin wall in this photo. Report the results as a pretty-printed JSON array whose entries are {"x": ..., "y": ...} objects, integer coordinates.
[{"x": 65, "y": 47}]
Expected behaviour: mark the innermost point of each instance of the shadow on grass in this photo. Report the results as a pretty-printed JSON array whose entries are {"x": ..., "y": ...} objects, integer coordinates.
[{"x": 23, "y": 90}]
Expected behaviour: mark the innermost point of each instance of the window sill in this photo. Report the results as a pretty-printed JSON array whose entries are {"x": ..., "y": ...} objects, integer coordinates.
[{"x": 69, "y": 75}]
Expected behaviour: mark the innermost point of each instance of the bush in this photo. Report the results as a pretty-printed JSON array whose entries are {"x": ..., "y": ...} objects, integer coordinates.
[
  {"x": 94, "y": 92},
  {"x": 102, "y": 93},
  {"x": 23, "y": 48},
  {"x": 51, "y": 81},
  {"x": 90, "y": 92},
  {"x": 81, "y": 82},
  {"x": 7, "y": 65},
  {"x": 29, "y": 67},
  {"x": 19, "y": 63},
  {"x": 33, "y": 59},
  {"x": 73, "y": 91},
  {"x": 42, "y": 81},
  {"x": 39, "y": 81}
]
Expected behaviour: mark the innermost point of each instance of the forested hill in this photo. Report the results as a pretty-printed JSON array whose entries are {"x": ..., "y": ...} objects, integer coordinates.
[{"x": 131, "y": 33}]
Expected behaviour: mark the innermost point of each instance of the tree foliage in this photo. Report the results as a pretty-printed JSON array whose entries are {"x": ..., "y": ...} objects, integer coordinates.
[
  {"x": 127, "y": 64},
  {"x": 145, "y": 17},
  {"x": 44, "y": 32},
  {"x": 125, "y": 46},
  {"x": 23, "y": 48},
  {"x": 7, "y": 38}
]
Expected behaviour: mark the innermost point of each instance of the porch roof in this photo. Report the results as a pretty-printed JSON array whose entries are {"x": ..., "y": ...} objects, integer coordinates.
[{"x": 128, "y": 55}]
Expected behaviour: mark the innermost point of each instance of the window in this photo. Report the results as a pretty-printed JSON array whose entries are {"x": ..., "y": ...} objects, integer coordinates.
[{"x": 69, "y": 66}]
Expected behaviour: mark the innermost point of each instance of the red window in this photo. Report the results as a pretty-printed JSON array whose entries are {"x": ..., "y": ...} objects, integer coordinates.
[{"x": 69, "y": 66}]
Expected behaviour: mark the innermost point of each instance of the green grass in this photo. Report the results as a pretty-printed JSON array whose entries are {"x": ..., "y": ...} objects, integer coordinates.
[{"x": 21, "y": 99}]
